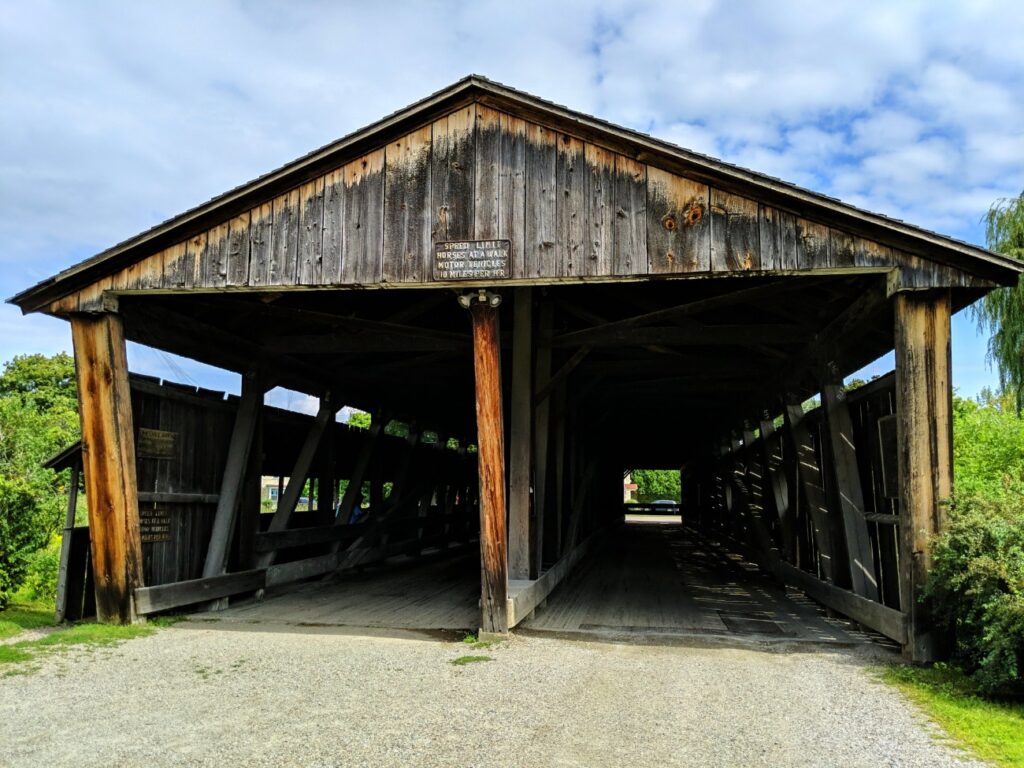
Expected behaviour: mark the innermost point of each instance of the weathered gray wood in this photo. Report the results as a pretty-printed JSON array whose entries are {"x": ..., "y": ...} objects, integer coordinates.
[
  {"x": 487, "y": 207},
  {"x": 735, "y": 236},
  {"x": 261, "y": 238},
  {"x": 164, "y": 597},
  {"x": 192, "y": 263},
  {"x": 407, "y": 208},
  {"x": 61, "y": 599},
  {"x": 173, "y": 268},
  {"x": 285, "y": 573},
  {"x": 811, "y": 245},
  {"x": 354, "y": 491},
  {"x": 630, "y": 189},
  {"x": 778, "y": 239},
  {"x": 600, "y": 210},
  {"x": 271, "y": 541},
  {"x": 777, "y": 485},
  {"x": 678, "y": 224},
  {"x": 691, "y": 334},
  {"x": 570, "y": 206},
  {"x": 363, "y": 229},
  {"x": 176, "y": 497},
  {"x": 520, "y": 437},
  {"x": 541, "y": 252},
  {"x": 284, "y": 245},
  {"x": 234, "y": 478},
  {"x": 238, "y": 247},
  {"x": 453, "y": 175},
  {"x": 544, "y": 389},
  {"x": 848, "y": 486},
  {"x": 311, "y": 218},
  {"x": 924, "y": 429},
  {"x": 842, "y": 248},
  {"x": 214, "y": 268},
  {"x": 525, "y": 595},
  {"x": 512, "y": 216},
  {"x": 333, "y": 235}
]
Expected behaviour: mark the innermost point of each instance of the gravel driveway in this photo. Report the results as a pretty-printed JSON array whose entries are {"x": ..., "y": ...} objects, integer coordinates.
[{"x": 214, "y": 694}]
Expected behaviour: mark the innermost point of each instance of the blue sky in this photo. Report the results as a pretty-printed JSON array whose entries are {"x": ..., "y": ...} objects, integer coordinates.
[{"x": 118, "y": 115}]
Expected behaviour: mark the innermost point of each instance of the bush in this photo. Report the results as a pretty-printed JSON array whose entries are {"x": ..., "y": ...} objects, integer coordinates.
[
  {"x": 40, "y": 583},
  {"x": 977, "y": 588}
]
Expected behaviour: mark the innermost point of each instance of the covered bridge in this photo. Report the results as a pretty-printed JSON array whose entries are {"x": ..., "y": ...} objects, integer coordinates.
[{"x": 545, "y": 299}]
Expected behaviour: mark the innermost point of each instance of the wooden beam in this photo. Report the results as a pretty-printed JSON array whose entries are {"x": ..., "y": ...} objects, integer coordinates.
[
  {"x": 354, "y": 492},
  {"x": 778, "y": 487},
  {"x": 524, "y": 596},
  {"x": 491, "y": 468},
  {"x": 541, "y": 441},
  {"x": 846, "y": 474},
  {"x": 65, "y": 541},
  {"x": 164, "y": 597},
  {"x": 562, "y": 373},
  {"x": 108, "y": 454},
  {"x": 234, "y": 478},
  {"x": 297, "y": 480},
  {"x": 692, "y": 335},
  {"x": 809, "y": 476},
  {"x": 521, "y": 437},
  {"x": 924, "y": 429},
  {"x": 302, "y": 537}
]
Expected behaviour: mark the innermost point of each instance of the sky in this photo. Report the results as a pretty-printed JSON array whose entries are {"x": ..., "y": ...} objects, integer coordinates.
[{"x": 119, "y": 115}]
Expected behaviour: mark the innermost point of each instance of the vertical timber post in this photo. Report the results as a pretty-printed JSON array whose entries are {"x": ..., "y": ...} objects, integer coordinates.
[
  {"x": 925, "y": 438},
  {"x": 521, "y": 437},
  {"x": 108, "y": 456},
  {"x": 490, "y": 461}
]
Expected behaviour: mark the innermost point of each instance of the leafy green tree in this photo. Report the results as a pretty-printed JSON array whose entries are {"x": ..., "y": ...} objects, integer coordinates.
[
  {"x": 1002, "y": 310},
  {"x": 655, "y": 484},
  {"x": 988, "y": 446},
  {"x": 38, "y": 417},
  {"x": 360, "y": 419}
]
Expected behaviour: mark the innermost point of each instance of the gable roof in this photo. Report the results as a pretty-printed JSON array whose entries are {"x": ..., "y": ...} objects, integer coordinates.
[{"x": 812, "y": 205}]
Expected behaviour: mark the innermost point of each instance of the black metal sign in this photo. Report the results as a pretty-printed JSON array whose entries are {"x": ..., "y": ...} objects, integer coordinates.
[
  {"x": 472, "y": 260},
  {"x": 156, "y": 444},
  {"x": 154, "y": 524}
]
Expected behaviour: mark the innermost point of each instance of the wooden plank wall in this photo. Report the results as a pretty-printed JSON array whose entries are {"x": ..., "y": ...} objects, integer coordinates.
[
  {"x": 732, "y": 494},
  {"x": 572, "y": 210}
]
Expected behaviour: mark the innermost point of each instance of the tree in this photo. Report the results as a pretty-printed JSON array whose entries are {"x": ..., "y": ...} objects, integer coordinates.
[
  {"x": 656, "y": 484},
  {"x": 38, "y": 417},
  {"x": 1002, "y": 310}
]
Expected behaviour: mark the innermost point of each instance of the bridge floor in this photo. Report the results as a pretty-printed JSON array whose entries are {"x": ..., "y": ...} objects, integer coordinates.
[{"x": 655, "y": 577}]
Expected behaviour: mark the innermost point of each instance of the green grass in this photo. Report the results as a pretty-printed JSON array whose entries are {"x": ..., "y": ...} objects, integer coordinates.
[
  {"x": 473, "y": 642},
  {"x": 992, "y": 730},
  {"x": 464, "y": 660},
  {"x": 20, "y": 616}
]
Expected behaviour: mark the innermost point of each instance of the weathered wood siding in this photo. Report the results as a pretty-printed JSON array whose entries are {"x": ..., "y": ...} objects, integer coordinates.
[{"x": 571, "y": 208}]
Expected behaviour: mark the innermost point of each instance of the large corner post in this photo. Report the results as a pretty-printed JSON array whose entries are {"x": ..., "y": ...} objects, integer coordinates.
[
  {"x": 483, "y": 308},
  {"x": 108, "y": 455},
  {"x": 925, "y": 438}
]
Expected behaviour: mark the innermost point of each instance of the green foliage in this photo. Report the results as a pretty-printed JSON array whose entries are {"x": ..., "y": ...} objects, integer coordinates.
[
  {"x": 41, "y": 572},
  {"x": 977, "y": 588},
  {"x": 464, "y": 660},
  {"x": 38, "y": 417},
  {"x": 992, "y": 730},
  {"x": 655, "y": 484},
  {"x": 359, "y": 419},
  {"x": 21, "y": 616},
  {"x": 1002, "y": 310},
  {"x": 988, "y": 446}
]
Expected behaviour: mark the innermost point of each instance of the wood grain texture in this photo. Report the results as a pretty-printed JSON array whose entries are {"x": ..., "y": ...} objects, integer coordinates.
[
  {"x": 261, "y": 237},
  {"x": 512, "y": 216},
  {"x": 192, "y": 264},
  {"x": 541, "y": 185},
  {"x": 238, "y": 250},
  {"x": 487, "y": 208},
  {"x": 778, "y": 239},
  {"x": 678, "y": 224},
  {"x": 520, "y": 437},
  {"x": 630, "y": 185},
  {"x": 309, "y": 267},
  {"x": 333, "y": 227},
  {"x": 600, "y": 210},
  {"x": 108, "y": 453},
  {"x": 570, "y": 206},
  {"x": 925, "y": 457},
  {"x": 491, "y": 469},
  {"x": 284, "y": 246},
  {"x": 453, "y": 176},
  {"x": 407, "y": 208},
  {"x": 214, "y": 267},
  {"x": 363, "y": 238},
  {"x": 735, "y": 236},
  {"x": 811, "y": 245}
]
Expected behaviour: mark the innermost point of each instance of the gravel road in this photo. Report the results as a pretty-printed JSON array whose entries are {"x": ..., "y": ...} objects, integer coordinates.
[{"x": 212, "y": 694}]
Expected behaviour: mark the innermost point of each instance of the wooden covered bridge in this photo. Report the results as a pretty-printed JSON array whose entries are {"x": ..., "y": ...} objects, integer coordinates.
[{"x": 543, "y": 299}]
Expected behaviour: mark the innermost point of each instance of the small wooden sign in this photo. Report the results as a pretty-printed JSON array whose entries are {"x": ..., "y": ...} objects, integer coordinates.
[
  {"x": 156, "y": 444},
  {"x": 472, "y": 260},
  {"x": 154, "y": 524}
]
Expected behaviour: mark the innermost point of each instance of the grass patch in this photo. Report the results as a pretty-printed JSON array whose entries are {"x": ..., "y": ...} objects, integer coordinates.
[
  {"x": 464, "y": 660},
  {"x": 474, "y": 642},
  {"x": 20, "y": 616},
  {"x": 992, "y": 730}
]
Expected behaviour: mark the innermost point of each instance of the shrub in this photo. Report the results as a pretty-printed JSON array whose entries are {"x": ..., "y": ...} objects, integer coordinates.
[
  {"x": 40, "y": 583},
  {"x": 977, "y": 588}
]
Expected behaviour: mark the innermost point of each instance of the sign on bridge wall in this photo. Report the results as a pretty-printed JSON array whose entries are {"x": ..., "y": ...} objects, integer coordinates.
[{"x": 472, "y": 260}]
